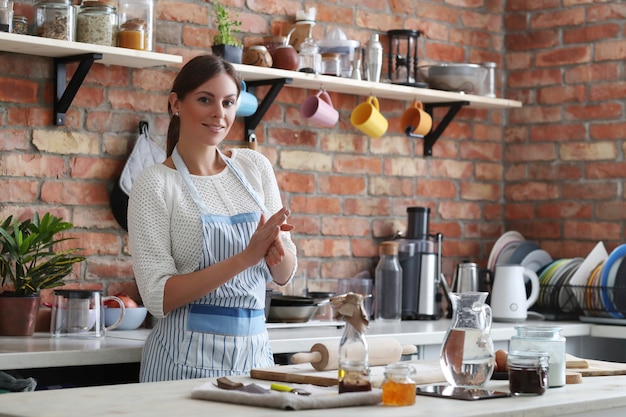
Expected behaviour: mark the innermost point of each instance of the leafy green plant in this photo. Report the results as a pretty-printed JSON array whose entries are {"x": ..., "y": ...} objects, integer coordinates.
[
  {"x": 27, "y": 257},
  {"x": 226, "y": 27}
]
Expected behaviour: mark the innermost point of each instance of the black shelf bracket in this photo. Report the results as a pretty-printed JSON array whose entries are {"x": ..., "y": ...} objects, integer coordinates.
[
  {"x": 251, "y": 122},
  {"x": 65, "y": 93},
  {"x": 433, "y": 135}
]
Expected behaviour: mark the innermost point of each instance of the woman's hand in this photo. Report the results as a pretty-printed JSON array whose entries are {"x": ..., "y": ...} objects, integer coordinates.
[{"x": 265, "y": 242}]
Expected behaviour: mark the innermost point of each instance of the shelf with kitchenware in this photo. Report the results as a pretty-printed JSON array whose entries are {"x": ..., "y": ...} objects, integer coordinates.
[
  {"x": 277, "y": 78},
  {"x": 64, "y": 52}
]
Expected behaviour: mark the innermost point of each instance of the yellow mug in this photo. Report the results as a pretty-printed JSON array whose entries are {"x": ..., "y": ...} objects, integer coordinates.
[
  {"x": 368, "y": 119},
  {"x": 415, "y": 120}
]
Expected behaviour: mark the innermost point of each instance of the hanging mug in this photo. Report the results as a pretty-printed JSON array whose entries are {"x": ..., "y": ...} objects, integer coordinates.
[
  {"x": 319, "y": 109},
  {"x": 368, "y": 119},
  {"x": 415, "y": 120},
  {"x": 247, "y": 103}
]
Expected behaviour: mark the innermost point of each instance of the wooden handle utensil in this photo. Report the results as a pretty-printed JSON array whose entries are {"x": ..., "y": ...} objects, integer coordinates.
[{"x": 382, "y": 351}]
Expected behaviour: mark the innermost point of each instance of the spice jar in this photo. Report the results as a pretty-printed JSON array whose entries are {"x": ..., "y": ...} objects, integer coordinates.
[
  {"x": 398, "y": 385},
  {"x": 528, "y": 372},
  {"x": 96, "y": 23},
  {"x": 543, "y": 339},
  {"x": 55, "y": 19},
  {"x": 136, "y": 22},
  {"x": 20, "y": 25},
  {"x": 331, "y": 64}
]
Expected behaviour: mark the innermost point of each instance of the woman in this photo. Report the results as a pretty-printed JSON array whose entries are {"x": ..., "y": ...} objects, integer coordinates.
[{"x": 207, "y": 232}]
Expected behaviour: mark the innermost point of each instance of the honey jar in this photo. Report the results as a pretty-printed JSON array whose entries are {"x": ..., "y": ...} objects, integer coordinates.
[
  {"x": 136, "y": 23},
  {"x": 398, "y": 385}
]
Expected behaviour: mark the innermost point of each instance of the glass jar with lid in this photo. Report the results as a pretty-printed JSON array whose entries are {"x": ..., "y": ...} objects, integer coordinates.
[
  {"x": 136, "y": 23},
  {"x": 543, "y": 339},
  {"x": 96, "y": 23},
  {"x": 55, "y": 19},
  {"x": 399, "y": 385},
  {"x": 20, "y": 25},
  {"x": 528, "y": 372},
  {"x": 331, "y": 64}
]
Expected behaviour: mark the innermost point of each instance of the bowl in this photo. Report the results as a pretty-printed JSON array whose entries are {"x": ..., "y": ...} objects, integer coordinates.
[
  {"x": 133, "y": 317},
  {"x": 291, "y": 314},
  {"x": 460, "y": 78}
]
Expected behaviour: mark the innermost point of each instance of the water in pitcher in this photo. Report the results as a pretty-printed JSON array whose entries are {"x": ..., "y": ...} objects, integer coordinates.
[{"x": 467, "y": 354}]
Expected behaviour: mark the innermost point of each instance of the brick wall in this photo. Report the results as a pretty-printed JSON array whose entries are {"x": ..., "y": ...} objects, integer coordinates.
[{"x": 552, "y": 170}]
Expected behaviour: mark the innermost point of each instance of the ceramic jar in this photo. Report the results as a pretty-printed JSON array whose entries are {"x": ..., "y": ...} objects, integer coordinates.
[{"x": 257, "y": 55}]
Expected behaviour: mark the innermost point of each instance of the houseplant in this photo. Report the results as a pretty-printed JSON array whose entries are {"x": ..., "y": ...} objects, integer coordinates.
[
  {"x": 30, "y": 263},
  {"x": 225, "y": 43}
]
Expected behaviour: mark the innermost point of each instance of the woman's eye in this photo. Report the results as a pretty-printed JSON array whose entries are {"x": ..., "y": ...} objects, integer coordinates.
[
  {"x": 204, "y": 100},
  {"x": 229, "y": 103}
]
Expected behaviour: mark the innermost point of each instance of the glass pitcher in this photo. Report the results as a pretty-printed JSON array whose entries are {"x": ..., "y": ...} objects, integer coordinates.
[{"x": 467, "y": 354}]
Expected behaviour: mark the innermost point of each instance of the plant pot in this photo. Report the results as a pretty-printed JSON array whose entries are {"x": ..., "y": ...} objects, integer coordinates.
[
  {"x": 18, "y": 314},
  {"x": 229, "y": 53}
]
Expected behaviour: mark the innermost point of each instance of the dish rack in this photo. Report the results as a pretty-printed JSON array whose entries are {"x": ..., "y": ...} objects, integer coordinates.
[{"x": 558, "y": 302}]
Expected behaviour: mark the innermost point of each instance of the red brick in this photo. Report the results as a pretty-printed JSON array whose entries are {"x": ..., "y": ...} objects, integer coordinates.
[
  {"x": 296, "y": 182},
  {"x": 341, "y": 185},
  {"x": 325, "y": 248},
  {"x": 563, "y": 210},
  {"x": 343, "y": 226},
  {"x": 315, "y": 205}
]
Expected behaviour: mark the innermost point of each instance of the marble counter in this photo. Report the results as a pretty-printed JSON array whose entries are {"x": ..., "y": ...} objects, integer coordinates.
[
  {"x": 42, "y": 350},
  {"x": 596, "y": 396}
]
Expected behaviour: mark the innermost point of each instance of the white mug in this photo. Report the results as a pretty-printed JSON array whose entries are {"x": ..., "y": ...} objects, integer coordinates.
[{"x": 508, "y": 295}]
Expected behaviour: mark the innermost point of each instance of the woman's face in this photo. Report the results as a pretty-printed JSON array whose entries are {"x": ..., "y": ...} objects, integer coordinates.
[{"x": 207, "y": 113}]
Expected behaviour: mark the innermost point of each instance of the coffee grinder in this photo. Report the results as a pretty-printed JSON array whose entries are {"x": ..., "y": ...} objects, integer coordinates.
[{"x": 419, "y": 253}]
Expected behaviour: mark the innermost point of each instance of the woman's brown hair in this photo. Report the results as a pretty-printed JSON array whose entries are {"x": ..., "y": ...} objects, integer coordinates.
[{"x": 191, "y": 76}]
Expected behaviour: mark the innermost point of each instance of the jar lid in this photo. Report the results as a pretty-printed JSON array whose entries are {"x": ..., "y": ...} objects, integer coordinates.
[
  {"x": 331, "y": 55},
  {"x": 134, "y": 24},
  {"x": 389, "y": 248}
]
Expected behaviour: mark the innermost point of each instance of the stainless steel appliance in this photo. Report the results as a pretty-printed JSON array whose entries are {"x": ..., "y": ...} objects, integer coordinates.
[{"x": 419, "y": 253}]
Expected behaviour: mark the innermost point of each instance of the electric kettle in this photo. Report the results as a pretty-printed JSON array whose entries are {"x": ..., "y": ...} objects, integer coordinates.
[{"x": 80, "y": 313}]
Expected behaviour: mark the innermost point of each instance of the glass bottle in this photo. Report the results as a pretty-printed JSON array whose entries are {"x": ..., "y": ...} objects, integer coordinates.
[
  {"x": 388, "y": 282},
  {"x": 136, "y": 23},
  {"x": 398, "y": 385},
  {"x": 55, "y": 19},
  {"x": 374, "y": 58},
  {"x": 353, "y": 370},
  {"x": 543, "y": 339},
  {"x": 20, "y": 25},
  {"x": 96, "y": 23}
]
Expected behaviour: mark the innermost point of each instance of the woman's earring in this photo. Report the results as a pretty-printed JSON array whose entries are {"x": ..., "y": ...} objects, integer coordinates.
[{"x": 177, "y": 114}]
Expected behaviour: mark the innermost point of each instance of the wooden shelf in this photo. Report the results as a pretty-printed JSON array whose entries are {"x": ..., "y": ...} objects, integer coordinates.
[
  {"x": 53, "y": 48},
  {"x": 366, "y": 88}
]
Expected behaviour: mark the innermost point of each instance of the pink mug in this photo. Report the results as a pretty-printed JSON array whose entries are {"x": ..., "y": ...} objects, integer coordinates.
[{"x": 319, "y": 109}]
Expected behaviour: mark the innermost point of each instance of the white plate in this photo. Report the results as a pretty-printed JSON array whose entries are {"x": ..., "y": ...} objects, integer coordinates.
[
  {"x": 521, "y": 251},
  {"x": 499, "y": 245},
  {"x": 536, "y": 260},
  {"x": 597, "y": 255},
  {"x": 507, "y": 251}
]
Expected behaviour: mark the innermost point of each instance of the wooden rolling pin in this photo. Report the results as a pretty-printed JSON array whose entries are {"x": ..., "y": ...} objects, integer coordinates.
[{"x": 383, "y": 351}]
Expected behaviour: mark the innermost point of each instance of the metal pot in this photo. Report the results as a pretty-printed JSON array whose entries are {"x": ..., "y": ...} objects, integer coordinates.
[{"x": 291, "y": 314}]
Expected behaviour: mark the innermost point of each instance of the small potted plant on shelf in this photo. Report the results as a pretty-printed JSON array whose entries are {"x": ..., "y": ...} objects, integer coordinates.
[
  {"x": 225, "y": 42},
  {"x": 30, "y": 263}
]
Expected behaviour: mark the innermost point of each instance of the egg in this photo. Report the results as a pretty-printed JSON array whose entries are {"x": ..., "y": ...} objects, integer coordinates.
[{"x": 501, "y": 356}]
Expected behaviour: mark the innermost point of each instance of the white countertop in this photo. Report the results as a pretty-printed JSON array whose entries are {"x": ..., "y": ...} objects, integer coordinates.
[
  {"x": 596, "y": 396},
  {"x": 125, "y": 346}
]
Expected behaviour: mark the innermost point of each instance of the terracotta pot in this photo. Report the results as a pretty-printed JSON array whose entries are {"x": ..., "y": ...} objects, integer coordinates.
[
  {"x": 18, "y": 314},
  {"x": 285, "y": 57}
]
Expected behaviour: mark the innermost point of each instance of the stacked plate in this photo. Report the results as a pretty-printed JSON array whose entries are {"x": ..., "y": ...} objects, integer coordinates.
[
  {"x": 555, "y": 294},
  {"x": 513, "y": 248}
]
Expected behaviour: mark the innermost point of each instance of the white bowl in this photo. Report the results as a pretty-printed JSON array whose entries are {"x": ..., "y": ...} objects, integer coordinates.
[
  {"x": 461, "y": 78},
  {"x": 133, "y": 317}
]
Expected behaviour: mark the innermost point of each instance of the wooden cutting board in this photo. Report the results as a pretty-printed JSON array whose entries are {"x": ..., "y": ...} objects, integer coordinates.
[
  {"x": 427, "y": 372},
  {"x": 602, "y": 368}
]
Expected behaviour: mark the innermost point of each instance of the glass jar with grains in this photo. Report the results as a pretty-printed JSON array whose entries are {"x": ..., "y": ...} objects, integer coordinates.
[
  {"x": 55, "y": 19},
  {"x": 96, "y": 23}
]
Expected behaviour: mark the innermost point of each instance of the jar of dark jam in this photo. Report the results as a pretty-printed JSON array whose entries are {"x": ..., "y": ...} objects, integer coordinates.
[{"x": 528, "y": 372}]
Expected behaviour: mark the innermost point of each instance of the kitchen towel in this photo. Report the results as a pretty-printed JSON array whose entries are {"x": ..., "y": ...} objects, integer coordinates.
[{"x": 319, "y": 398}]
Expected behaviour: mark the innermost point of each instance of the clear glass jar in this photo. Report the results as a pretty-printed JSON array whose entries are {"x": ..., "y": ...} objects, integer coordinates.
[
  {"x": 55, "y": 19},
  {"x": 543, "y": 339},
  {"x": 331, "y": 64},
  {"x": 310, "y": 57},
  {"x": 136, "y": 24},
  {"x": 528, "y": 372},
  {"x": 96, "y": 23},
  {"x": 399, "y": 385},
  {"x": 20, "y": 25}
]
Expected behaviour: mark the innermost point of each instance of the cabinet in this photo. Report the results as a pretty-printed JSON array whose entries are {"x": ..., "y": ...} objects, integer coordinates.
[
  {"x": 278, "y": 78},
  {"x": 85, "y": 54}
]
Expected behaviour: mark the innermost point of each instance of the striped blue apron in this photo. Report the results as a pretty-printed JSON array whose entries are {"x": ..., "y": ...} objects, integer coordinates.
[{"x": 222, "y": 333}]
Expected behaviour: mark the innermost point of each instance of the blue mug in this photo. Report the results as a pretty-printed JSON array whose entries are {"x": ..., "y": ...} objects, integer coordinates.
[{"x": 247, "y": 102}]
